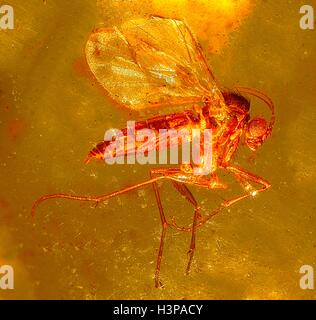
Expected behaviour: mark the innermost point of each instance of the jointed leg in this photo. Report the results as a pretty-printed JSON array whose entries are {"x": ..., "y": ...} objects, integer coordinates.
[
  {"x": 243, "y": 178},
  {"x": 164, "y": 225},
  {"x": 183, "y": 189},
  {"x": 193, "y": 236},
  {"x": 97, "y": 200},
  {"x": 167, "y": 173},
  {"x": 102, "y": 198}
]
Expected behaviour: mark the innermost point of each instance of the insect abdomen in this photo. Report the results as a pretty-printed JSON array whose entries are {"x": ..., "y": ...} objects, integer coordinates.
[{"x": 173, "y": 121}]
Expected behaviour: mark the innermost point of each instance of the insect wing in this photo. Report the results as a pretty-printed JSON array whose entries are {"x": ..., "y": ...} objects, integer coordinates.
[{"x": 152, "y": 62}]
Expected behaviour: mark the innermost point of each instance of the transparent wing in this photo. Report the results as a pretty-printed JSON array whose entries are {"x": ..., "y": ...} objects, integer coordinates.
[{"x": 151, "y": 62}]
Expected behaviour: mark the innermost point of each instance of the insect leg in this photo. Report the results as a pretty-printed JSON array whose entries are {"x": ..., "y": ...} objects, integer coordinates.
[
  {"x": 97, "y": 199},
  {"x": 248, "y": 176},
  {"x": 184, "y": 190},
  {"x": 164, "y": 225},
  {"x": 242, "y": 176},
  {"x": 167, "y": 173},
  {"x": 193, "y": 236}
]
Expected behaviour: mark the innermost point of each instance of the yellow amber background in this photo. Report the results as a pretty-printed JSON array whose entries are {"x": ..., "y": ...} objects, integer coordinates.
[{"x": 52, "y": 114}]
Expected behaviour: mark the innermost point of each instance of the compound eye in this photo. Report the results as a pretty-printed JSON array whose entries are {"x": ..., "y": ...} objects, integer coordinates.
[{"x": 257, "y": 127}]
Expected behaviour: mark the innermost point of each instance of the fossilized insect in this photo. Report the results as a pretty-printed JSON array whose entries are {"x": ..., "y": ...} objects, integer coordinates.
[{"x": 156, "y": 63}]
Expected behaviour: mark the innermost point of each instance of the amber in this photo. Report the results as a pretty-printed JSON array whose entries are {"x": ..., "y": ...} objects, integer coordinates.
[{"x": 53, "y": 112}]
